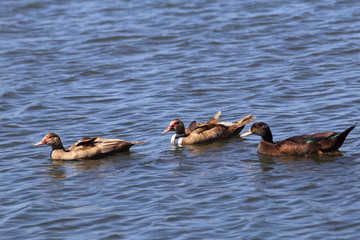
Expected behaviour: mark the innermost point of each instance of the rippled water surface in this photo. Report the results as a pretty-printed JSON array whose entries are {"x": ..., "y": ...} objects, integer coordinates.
[{"x": 124, "y": 69}]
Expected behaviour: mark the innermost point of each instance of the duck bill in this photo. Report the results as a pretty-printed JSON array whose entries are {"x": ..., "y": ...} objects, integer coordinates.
[
  {"x": 167, "y": 130},
  {"x": 42, "y": 142},
  {"x": 170, "y": 127},
  {"x": 246, "y": 133}
]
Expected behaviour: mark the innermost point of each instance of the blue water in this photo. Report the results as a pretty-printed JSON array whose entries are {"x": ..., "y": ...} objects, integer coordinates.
[{"x": 125, "y": 69}]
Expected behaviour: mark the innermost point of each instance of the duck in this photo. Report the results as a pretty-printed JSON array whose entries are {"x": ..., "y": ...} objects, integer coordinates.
[
  {"x": 205, "y": 132},
  {"x": 315, "y": 143},
  {"x": 86, "y": 148}
]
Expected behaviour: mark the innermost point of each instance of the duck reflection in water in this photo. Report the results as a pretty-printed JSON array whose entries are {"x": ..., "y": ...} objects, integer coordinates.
[
  {"x": 268, "y": 162},
  {"x": 60, "y": 169},
  {"x": 205, "y": 147}
]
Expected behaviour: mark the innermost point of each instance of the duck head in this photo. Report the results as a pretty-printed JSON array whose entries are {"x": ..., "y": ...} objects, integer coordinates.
[
  {"x": 177, "y": 126},
  {"x": 52, "y": 140},
  {"x": 261, "y": 129}
]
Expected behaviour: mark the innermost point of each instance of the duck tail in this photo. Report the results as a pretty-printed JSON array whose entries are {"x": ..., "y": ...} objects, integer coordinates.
[
  {"x": 245, "y": 120},
  {"x": 339, "y": 139},
  {"x": 344, "y": 134},
  {"x": 239, "y": 125}
]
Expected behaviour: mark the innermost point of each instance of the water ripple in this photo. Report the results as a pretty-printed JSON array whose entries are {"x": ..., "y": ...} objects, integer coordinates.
[{"x": 125, "y": 69}]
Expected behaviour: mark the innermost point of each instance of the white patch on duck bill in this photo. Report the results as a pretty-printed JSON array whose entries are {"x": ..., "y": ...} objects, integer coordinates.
[{"x": 177, "y": 139}]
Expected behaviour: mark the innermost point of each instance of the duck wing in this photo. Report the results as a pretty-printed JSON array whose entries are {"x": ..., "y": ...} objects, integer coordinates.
[
  {"x": 114, "y": 145},
  {"x": 86, "y": 141},
  {"x": 215, "y": 118},
  {"x": 193, "y": 125},
  {"x": 200, "y": 128},
  {"x": 205, "y": 133},
  {"x": 310, "y": 138},
  {"x": 191, "y": 128}
]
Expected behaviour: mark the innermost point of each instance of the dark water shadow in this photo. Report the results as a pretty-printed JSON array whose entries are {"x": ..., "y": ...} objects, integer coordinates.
[
  {"x": 267, "y": 162},
  {"x": 198, "y": 149},
  {"x": 59, "y": 168}
]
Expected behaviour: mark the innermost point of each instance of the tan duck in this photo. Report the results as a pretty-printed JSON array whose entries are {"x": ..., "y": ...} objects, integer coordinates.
[
  {"x": 322, "y": 142},
  {"x": 205, "y": 132},
  {"x": 86, "y": 148}
]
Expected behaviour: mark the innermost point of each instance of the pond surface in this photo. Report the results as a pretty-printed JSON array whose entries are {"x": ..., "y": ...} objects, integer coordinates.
[{"x": 125, "y": 69}]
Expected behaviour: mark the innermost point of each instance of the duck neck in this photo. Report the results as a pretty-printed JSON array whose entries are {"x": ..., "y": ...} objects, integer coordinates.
[
  {"x": 268, "y": 137},
  {"x": 180, "y": 130},
  {"x": 57, "y": 145},
  {"x": 179, "y": 135}
]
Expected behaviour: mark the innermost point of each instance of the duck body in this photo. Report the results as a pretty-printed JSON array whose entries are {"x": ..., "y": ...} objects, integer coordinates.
[
  {"x": 205, "y": 132},
  {"x": 316, "y": 143},
  {"x": 86, "y": 148}
]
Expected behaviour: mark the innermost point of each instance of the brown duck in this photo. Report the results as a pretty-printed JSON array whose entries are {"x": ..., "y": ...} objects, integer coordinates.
[
  {"x": 205, "y": 132},
  {"x": 322, "y": 142},
  {"x": 86, "y": 148}
]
